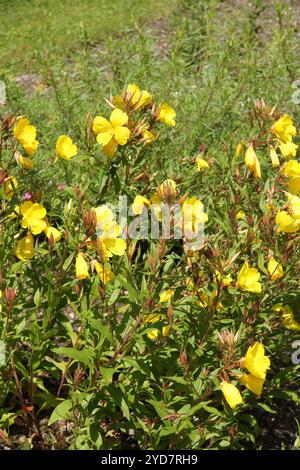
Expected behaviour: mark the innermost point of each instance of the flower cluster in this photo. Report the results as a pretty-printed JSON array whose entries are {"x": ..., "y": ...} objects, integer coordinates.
[
  {"x": 257, "y": 364},
  {"x": 103, "y": 238},
  {"x": 132, "y": 120},
  {"x": 34, "y": 220}
]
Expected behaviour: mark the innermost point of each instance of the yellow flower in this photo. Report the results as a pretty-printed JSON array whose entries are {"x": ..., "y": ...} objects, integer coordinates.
[
  {"x": 148, "y": 137},
  {"x": 275, "y": 269},
  {"x": 208, "y": 300},
  {"x": 52, "y": 231},
  {"x": 226, "y": 280},
  {"x": 82, "y": 270},
  {"x": 24, "y": 248},
  {"x": 240, "y": 215},
  {"x": 25, "y": 133},
  {"x": 110, "y": 242},
  {"x": 294, "y": 206},
  {"x": 112, "y": 246},
  {"x": 286, "y": 223},
  {"x": 252, "y": 162},
  {"x": 254, "y": 384},
  {"x": 166, "y": 114},
  {"x": 153, "y": 333},
  {"x": 291, "y": 168},
  {"x": 287, "y": 317},
  {"x": 104, "y": 273},
  {"x": 201, "y": 163},
  {"x": 284, "y": 129},
  {"x": 108, "y": 233},
  {"x": 193, "y": 214},
  {"x": 138, "y": 204},
  {"x": 274, "y": 157},
  {"x": 33, "y": 217},
  {"x": 256, "y": 362},
  {"x": 65, "y": 148},
  {"x": 134, "y": 96},
  {"x": 239, "y": 149},
  {"x": 231, "y": 394},
  {"x": 10, "y": 184},
  {"x": 104, "y": 216},
  {"x": 166, "y": 295},
  {"x": 24, "y": 162},
  {"x": 294, "y": 184},
  {"x": 138, "y": 98},
  {"x": 248, "y": 279},
  {"x": 288, "y": 149},
  {"x": 113, "y": 132}
]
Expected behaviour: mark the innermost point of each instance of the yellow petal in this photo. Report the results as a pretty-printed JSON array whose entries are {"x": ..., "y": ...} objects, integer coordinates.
[
  {"x": 25, "y": 208},
  {"x": 256, "y": 362},
  {"x": 294, "y": 184},
  {"x": 154, "y": 318},
  {"x": 30, "y": 147},
  {"x": 24, "y": 162},
  {"x": 291, "y": 168},
  {"x": 286, "y": 223},
  {"x": 166, "y": 295},
  {"x": 65, "y": 148},
  {"x": 118, "y": 118},
  {"x": 82, "y": 270},
  {"x": 24, "y": 248},
  {"x": 284, "y": 128},
  {"x": 121, "y": 134},
  {"x": 231, "y": 394},
  {"x": 275, "y": 269},
  {"x": 201, "y": 163},
  {"x": 10, "y": 184},
  {"x": 37, "y": 211},
  {"x": 288, "y": 149},
  {"x": 104, "y": 215},
  {"x": 104, "y": 138},
  {"x": 166, "y": 114},
  {"x": 148, "y": 137},
  {"x": 19, "y": 127},
  {"x": 274, "y": 157},
  {"x": 248, "y": 279},
  {"x": 254, "y": 384},
  {"x": 100, "y": 124},
  {"x": 104, "y": 273},
  {"x": 116, "y": 246},
  {"x": 252, "y": 162},
  {"x": 239, "y": 149},
  {"x": 110, "y": 149},
  {"x": 138, "y": 204},
  {"x": 240, "y": 215},
  {"x": 52, "y": 231}
]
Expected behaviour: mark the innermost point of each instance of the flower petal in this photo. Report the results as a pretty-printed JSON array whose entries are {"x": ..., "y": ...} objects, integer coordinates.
[
  {"x": 122, "y": 134},
  {"x": 118, "y": 118}
]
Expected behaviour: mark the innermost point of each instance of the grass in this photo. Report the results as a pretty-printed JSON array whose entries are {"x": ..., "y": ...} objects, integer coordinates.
[
  {"x": 33, "y": 29},
  {"x": 211, "y": 60}
]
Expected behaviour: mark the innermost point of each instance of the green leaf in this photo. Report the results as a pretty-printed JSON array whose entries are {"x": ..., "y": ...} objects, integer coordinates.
[
  {"x": 85, "y": 355},
  {"x": 62, "y": 411},
  {"x": 68, "y": 262}
]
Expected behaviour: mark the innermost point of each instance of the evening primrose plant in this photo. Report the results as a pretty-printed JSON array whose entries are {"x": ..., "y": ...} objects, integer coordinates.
[{"x": 145, "y": 298}]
